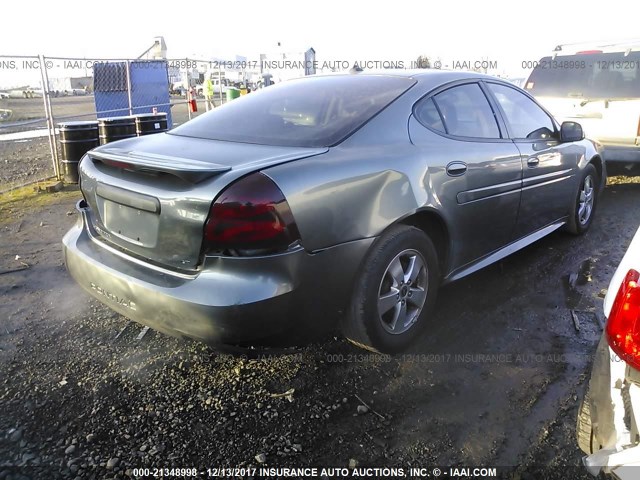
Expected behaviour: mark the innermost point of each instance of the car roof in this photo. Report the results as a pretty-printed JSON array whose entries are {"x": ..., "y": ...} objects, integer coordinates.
[
  {"x": 597, "y": 47},
  {"x": 426, "y": 74},
  {"x": 427, "y": 78}
]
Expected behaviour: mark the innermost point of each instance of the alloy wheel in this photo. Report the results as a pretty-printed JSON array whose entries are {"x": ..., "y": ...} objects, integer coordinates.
[
  {"x": 403, "y": 291},
  {"x": 585, "y": 203}
]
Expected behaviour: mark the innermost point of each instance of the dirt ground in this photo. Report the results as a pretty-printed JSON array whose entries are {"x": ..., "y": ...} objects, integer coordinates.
[{"x": 495, "y": 381}]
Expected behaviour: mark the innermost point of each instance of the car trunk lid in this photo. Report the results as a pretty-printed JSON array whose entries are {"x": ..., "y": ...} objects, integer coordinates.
[{"x": 150, "y": 197}]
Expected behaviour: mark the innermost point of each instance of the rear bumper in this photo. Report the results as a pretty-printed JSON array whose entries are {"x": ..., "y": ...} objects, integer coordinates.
[
  {"x": 621, "y": 159},
  {"x": 615, "y": 405},
  {"x": 231, "y": 300}
]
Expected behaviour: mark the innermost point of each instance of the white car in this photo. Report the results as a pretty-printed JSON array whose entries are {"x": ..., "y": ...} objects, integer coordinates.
[
  {"x": 609, "y": 417},
  {"x": 597, "y": 85},
  {"x": 4, "y": 95}
]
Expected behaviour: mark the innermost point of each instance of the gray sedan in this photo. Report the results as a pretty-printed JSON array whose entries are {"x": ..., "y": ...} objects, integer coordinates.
[{"x": 341, "y": 199}]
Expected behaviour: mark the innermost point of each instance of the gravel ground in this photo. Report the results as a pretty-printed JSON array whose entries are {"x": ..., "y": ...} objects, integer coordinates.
[{"x": 495, "y": 381}]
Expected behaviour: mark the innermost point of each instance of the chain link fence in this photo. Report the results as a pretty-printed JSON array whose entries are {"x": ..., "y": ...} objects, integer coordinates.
[
  {"x": 26, "y": 148},
  {"x": 39, "y": 94}
]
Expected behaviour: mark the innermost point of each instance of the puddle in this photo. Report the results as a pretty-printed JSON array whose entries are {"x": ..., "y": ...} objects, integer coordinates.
[{"x": 573, "y": 295}]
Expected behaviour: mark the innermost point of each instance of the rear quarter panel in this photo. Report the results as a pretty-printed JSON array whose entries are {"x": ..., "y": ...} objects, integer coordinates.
[{"x": 360, "y": 187}]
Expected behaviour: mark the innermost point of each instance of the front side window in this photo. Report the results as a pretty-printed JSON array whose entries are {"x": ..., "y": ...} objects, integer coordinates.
[
  {"x": 525, "y": 118},
  {"x": 466, "y": 112}
]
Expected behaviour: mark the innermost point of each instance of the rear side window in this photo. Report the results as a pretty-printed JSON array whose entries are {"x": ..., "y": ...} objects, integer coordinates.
[
  {"x": 309, "y": 112},
  {"x": 599, "y": 75},
  {"x": 427, "y": 114},
  {"x": 525, "y": 118},
  {"x": 465, "y": 112}
]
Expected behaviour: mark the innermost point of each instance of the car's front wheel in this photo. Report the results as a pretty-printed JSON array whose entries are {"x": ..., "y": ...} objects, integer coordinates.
[
  {"x": 395, "y": 292},
  {"x": 585, "y": 203}
]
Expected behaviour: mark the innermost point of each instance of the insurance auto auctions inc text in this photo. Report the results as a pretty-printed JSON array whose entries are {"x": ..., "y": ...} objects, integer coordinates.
[
  {"x": 375, "y": 472},
  {"x": 370, "y": 64}
]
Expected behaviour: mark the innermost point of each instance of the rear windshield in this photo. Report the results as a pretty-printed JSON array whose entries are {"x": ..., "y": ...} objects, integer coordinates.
[
  {"x": 308, "y": 112},
  {"x": 601, "y": 75}
]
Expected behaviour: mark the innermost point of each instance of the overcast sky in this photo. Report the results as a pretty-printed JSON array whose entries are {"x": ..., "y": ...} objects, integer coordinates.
[{"x": 507, "y": 32}]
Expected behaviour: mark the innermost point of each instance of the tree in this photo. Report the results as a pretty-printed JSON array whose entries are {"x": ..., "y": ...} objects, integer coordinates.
[{"x": 423, "y": 62}]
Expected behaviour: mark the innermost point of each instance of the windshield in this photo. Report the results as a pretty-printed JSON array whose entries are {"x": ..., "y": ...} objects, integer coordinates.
[
  {"x": 600, "y": 75},
  {"x": 308, "y": 112}
]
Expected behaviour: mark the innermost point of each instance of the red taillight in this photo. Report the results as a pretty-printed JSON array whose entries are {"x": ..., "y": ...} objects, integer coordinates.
[
  {"x": 623, "y": 325},
  {"x": 117, "y": 164},
  {"x": 250, "y": 215}
]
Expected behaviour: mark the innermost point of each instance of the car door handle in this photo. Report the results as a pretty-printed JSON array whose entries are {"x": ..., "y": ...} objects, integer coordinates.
[
  {"x": 533, "y": 161},
  {"x": 455, "y": 169}
]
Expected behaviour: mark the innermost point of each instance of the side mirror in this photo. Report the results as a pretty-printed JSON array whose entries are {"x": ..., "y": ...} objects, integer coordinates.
[{"x": 571, "y": 132}]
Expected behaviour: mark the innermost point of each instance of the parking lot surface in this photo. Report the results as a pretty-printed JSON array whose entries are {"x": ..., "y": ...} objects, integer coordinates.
[{"x": 495, "y": 380}]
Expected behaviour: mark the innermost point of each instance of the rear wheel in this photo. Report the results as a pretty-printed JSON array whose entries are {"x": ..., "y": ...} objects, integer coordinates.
[
  {"x": 395, "y": 293},
  {"x": 585, "y": 203}
]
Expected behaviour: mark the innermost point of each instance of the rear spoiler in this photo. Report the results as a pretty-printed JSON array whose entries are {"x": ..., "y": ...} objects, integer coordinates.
[{"x": 192, "y": 171}]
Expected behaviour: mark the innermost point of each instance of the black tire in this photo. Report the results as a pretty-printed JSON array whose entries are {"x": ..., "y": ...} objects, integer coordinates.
[
  {"x": 584, "y": 429},
  {"x": 578, "y": 224},
  {"x": 405, "y": 247}
]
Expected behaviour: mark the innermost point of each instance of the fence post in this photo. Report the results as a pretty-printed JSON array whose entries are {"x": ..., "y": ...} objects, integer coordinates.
[
  {"x": 51, "y": 132},
  {"x": 129, "y": 87}
]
